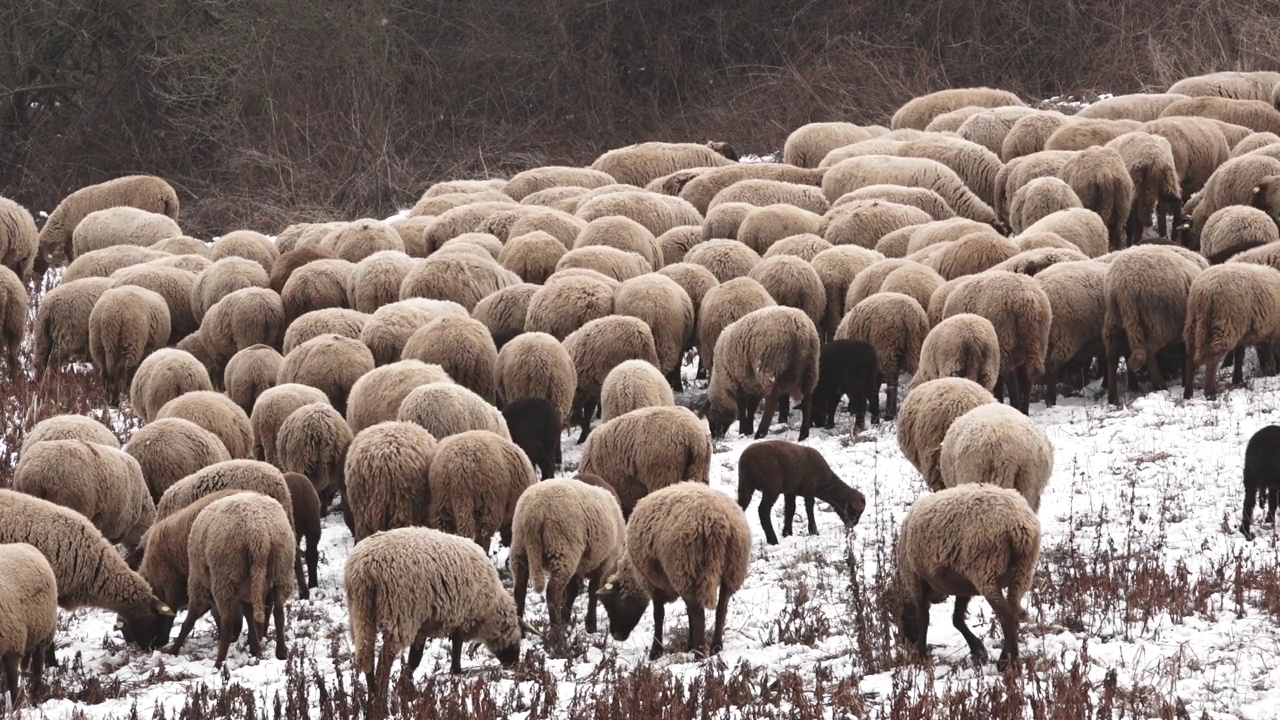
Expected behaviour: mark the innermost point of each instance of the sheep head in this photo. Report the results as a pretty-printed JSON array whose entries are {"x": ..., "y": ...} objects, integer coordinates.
[
  {"x": 624, "y": 601},
  {"x": 148, "y": 627}
]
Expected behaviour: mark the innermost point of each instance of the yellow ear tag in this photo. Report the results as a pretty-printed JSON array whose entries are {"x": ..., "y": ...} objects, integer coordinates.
[{"x": 608, "y": 586}]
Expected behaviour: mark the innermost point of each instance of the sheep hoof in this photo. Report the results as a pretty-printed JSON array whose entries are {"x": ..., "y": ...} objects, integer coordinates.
[{"x": 1248, "y": 534}]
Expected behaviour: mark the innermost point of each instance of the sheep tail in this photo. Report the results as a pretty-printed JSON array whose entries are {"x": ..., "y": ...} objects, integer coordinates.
[
  {"x": 1214, "y": 336},
  {"x": 535, "y": 545},
  {"x": 1136, "y": 331},
  {"x": 364, "y": 628},
  {"x": 258, "y": 588}
]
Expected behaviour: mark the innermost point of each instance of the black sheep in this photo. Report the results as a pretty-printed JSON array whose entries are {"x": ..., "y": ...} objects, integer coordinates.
[
  {"x": 502, "y": 337},
  {"x": 847, "y": 367},
  {"x": 1261, "y": 474},
  {"x": 780, "y": 467},
  {"x": 535, "y": 426}
]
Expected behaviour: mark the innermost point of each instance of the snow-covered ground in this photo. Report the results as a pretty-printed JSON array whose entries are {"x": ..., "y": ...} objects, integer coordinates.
[{"x": 1143, "y": 578}]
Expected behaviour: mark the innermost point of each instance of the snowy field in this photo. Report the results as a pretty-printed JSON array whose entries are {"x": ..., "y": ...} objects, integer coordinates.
[{"x": 1146, "y": 592}]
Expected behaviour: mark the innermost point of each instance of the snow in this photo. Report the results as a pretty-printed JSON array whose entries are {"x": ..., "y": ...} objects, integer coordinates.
[{"x": 1160, "y": 476}]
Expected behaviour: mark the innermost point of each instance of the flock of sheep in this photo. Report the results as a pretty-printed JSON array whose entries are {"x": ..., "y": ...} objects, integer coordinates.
[{"x": 418, "y": 373}]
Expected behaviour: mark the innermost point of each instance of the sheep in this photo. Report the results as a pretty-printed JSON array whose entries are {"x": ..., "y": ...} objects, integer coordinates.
[
  {"x": 1142, "y": 107},
  {"x": 667, "y": 310},
  {"x": 565, "y": 530},
  {"x": 687, "y": 541},
  {"x": 963, "y": 345},
  {"x": 764, "y": 226},
  {"x": 246, "y": 317},
  {"x": 161, "y": 559},
  {"x": 643, "y": 162},
  {"x": 447, "y": 187},
  {"x": 837, "y": 269},
  {"x": 104, "y": 262},
  {"x": 894, "y": 245},
  {"x": 1234, "y": 229},
  {"x": 223, "y": 278},
  {"x": 927, "y": 412},
  {"x": 236, "y": 474},
  {"x": 301, "y": 235},
  {"x": 317, "y": 285},
  {"x": 506, "y": 309},
  {"x": 1101, "y": 180},
  {"x": 1038, "y": 198},
  {"x": 808, "y": 144},
  {"x": 470, "y": 216},
  {"x": 1081, "y": 227},
  {"x": 1228, "y": 307},
  {"x": 186, "y": 248},
  {"x": 216, "y": 413},
  {"x": 702, "y": 189},
  {"x": 971, "y": 254},
  {"x": 1030, "y": 262},
  {"x": 170, "y": 449},
  {"x": 767, "y": 353},
  {"x": 390, "y": 326},
  {"x": 144, "y": 192},
  {"x": 778, "y": 467},
  {"x": 950, "y": 121},
  {"x": 376, "y": 396},
  {"x": 523, "y": 184},
  {"x": 1199, "y": 148},
  {"x": 974, "y": 164},
  {"x": 533, "y": 256},
  {"x": 722, "y": 221},
  {"x": 560, "y": 225},
  {"x": 1233, "y": 183},
  {"x": 69, "y": 427},
  {"x": 375, "y": 280},
  {"x": 695, "y": 280},
  {"x": 942, "y": 551},
  {"x": 677, "y": 241},
  {"x": 330, "y": 363},
  {"x": 357, "y": 240},
  {"x": 241, "y": 546},
  {"x": 847, "y": 367},
  {"x": 1019, "y": 309},
  {"x": 461, "y": 346},
  {"x": 289, "y": 262},
  {"x": 1149, "y": 159},
  {"x": 1268, "y": 254},
  {"x": 1256, "y": 141},
  {"x": 726, "y": 259},
  {"x": 762, "y": 193},
  {"x": 534, "y": 425},
  {"x": 1045, "y": 240},
  {"x": 1256, "y": 115},
  {"x": 1078, "y": 307},
  {"x": 621, "y": 233},
  {"x": 474, "y": 481},
  {"x": 997, "y": 444},
  {"x": 894, "y": 325},
  {"x": 805, "y": 246},
  {"x": 313, "y": 441},
  {"x": 395, "y": 583},
  {"x": 562, "y": 307},
  {"x": 18, "y": 239},
  {"x": 616, "y": 264},
  {"x": 100, "y": 482},
  {"x": 337, "y": 321},
  {"x": 386, "y": 470},
  {"x": 989, "y": 128},
  {"x": 1084, "y": 134},
  {"x": 29, "y": 598},
  {"x": 647, "y": 449},
  {"x": 792, "y": 282},
  {"x": 246, "y": 244},
  {"x": 1260, "y": 473},
  {"x": 630, "y": 385},
  {"x": 1146, "y": 291},
  {"x": 1028, "y": 134},
  {"x": 595, "y": 349},
  {"x": 1230, "y": 84},
  {"x": 1022, "y": 170},
  {"x": 673, "y": 183},
  {"x": 723, "y": 305},
  {"x": 866, "y": 222},
  {"x": 922, "y": 198},
  {"x": 445, "y": 409},
  {"x": 13, "y": 318},
  {"x": 125, "y": 326},
  {"x": 164, "y": 375},
  {"x": 460, "y": 278},
  {"x": 918, "y": 112},
  {"x": 172, "y": 284},
  {"x": 535, "y": 364},
  {"x": 657, "y": 213},
  {"x": 854, "y": 173}
]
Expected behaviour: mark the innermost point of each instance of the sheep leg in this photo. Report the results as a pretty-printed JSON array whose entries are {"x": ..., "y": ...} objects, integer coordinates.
[
  {"x": 747, "y": 414},
  {"x": 722, "y": 614},
  {"x": 767, "y": 499},
  {"x": 784, "y": 408},
  {"x": 50, "y": 657},
  {"x": 1133, "y": 229},
  {"x": 555, "y": 602},
  {"x": 1271, "y": 496},
  {"x": 313, "y": 560},
  {"x": 1266, "y": 359},
  {"x": 808, "y": 509},
  {"x": 14, "y": 368},
  {"x": 1008, "y": 616},
  {"x": 1237, "y": 371},
  {"x": 299, "y": 577},
  {"x": 11, "y": 677},
  {"x": 891, "y": 398},
  {"x": 873, "y": 400},
  {"x": 229, "y": 631},
  {"x": 697, "y": 627},
  {"x": 35, "y": 674},
  {"x": 806, "y": 416},
  {"x": 1188, "y": 375},
  {"x": 674, "y": 379},
  {"x": 1211, "y": 365},
  {"x": 788, "y": 512},
  {"x": 521, "y": 586},
  {"x": 455, "y": 653},
  {"x": 417, "y": 648},
  {"x": 585, "y": 418},
  {"x": 593, "y": 586},
  {"x": 998, "y": 390},
  {"x": 1113, "y": 368},
  {"x": 571, "y": 591},
  {"x": 255, "y": 633},
  {"x": 195, "y": 610},
  {"x": 922, "y": 623},
  {"x": 380, "y": 679},
  {"x": 858, "y": 409},
  {"x": 1023, "y": 376},
  {"x": 977, "y": 650},
  {"x": 766, "y": 416},
  {"x": 659, "y": 610}
]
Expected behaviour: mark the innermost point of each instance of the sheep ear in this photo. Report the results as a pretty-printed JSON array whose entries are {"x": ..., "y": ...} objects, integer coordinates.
[
  {"x": 608, "y": 589},
  {"x": 120, "y": 624},
  {"x": 529, "y": 628}
]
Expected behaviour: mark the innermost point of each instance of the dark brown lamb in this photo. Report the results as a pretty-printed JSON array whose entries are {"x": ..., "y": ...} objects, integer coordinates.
[{"x": 780, "y": 467}]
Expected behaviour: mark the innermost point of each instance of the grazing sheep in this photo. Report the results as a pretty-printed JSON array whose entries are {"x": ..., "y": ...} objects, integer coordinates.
[
  {"x": 1149, "y": 159},
  {"x": 186, "y": 248},
  {"x": 1256, "y": 115},
  {"x": 808, "y": 144},
  {"x": 300, "y": 235},
  {"x": 667, "y": 310},
  {"x": 964, "y": 345},
  {"x": 778, "y": 467},
  {"x": 412, "y": 584},
  {"x": 657, "y": 213},
  {"x": 125, "y": 326},
  {"x": 375, "y": 280},
  {"x": 766, "y": 354},
  {"x": 847, "y": 368},
  {"x": 506, "y": 309},
  {"x": 630, "y": 385},
  {"x": 598, "y": 347},
  {"x": 533, "y": 256},
  {"x": 989, "y": 128},
  {"x": 1260, "y": 473},
  {"x": 726, "y": 259},
  {"x": 971, "y": 255},
  {"x": 386, "y": 473},
  {"x": 18, "y": 244},
  {"x": 1228, "y": 307},
  {"x": 223, "y": 278},
  {"x": 762, "y": 193},
  {"x": 29, "y": 600},
  {"x": 391, "y": 326},
  {"x": 216, "y": 413},
  {"x": 289, "y": 262},
  {"x": 689, "y": 542},
  {"x": 943, "y": 551},
  {"x": 1038, "y": 198},
  {"x": 163, "y": 376},
  {"x": 1234, "y": 229},
  {"x": 723, "y": 305},
  {"x": 1078, "y": 305},
  {"x": 101, "y": 263},
  {"x": 535, "y": 365},
  {"x": 246, "y": 244},
  {"x": 271, "y": 409},
  {"x": 646, "y": 449},
  {"x": 1199, "y": 148},
  {"x": 1101, "y": 180},
  {"x": 377, "y": 395},
  {"x": 702, "y": 189},
  {"x": 1022, "y": 170},
  {"x": 858, "y": 172},
  {"x": 866, "y": 222},
  {"x": 1084, "y": 134},
  {"x": 170, "y": 449},
  {"x": 474, "y": 481},
  {"x": 868, "y": 282},
  {"x": 69, "y": 427},
  {"x": 677, "y": 241},
  {"x": 1142, "y": 107},
  {"x": 922, "y": 198},
  {"x": 445, "y": 409},
  {"x": 337, "y": 321},
  {"x": 461, "y": 278},
  {"x": 13, "y": 318},
  {"x": 1228, "y": 84},
  {"x": 472, "y": 217},
  {"x": 611, "y": 262},
  {"x": 696, "y": 281},
  {"x": 919, "y": 111},
  {"x": 722, "y": 221},
  {"x": 1028, "y": 134},
  {"x": 560, "y": 225},
  {"x": 996, "y": 444},
  {"x": 764, "y": 226},
  {"x": 641, "y": 163},
  {"x": 313, "y": 441},
  {"x": 1081, "y": 227},
  {"x": 247, "y": 317},
  {"x": 330, "y": 363},
  {"x": 621, "y": 233},
  {"x": 317, "y": 285},
  {"x": 927, "y": 412},
  {"x": 462, "y": 347},
  {"x": 1030, "y": 262},
  {"x": 1256, "y": 141},
  {"x": 805, "y": 246},
  {"x": 172, "y": 284},
  {"x": 523, "y": 184},
  {"x": 240, "y": 552},
  {"x": 565, "y": 305},
  {"x": 895, "y": 325},
  {"x": 357, "y": 240},
  {"x": 249, "y": 475},
  {"x": 161, "y": 557},
  {"x": 837, "y": 268},
  {"x": 144, "y": 192},
  {"x": 534, "y": 425},
  {"x": 1044, "y": 240},
  {"x": 100, "y": 482},
  {"x": 974, "y": 164}
]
